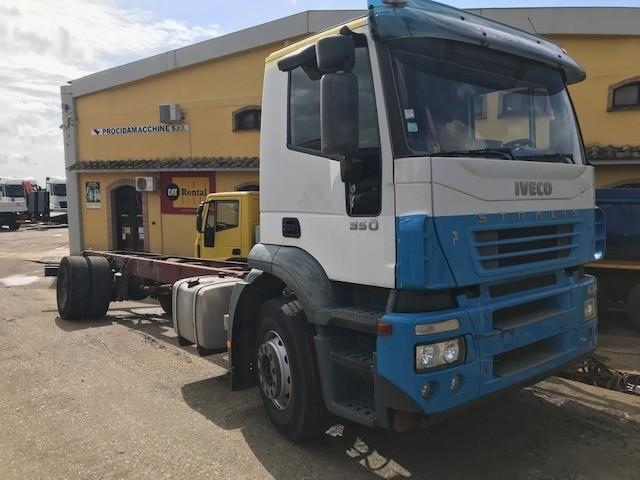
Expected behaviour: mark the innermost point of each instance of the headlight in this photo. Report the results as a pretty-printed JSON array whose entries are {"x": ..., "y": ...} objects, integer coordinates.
[
  {"x": 439, "y": 354},
  {"x": 590, "y": 309}
]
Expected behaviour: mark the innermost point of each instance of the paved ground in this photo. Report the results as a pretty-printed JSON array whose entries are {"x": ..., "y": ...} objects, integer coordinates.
[{"x": 119, "y": 399}]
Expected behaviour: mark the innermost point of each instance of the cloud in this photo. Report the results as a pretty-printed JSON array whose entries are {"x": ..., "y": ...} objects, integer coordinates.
[{"x": 44, "y": 44}]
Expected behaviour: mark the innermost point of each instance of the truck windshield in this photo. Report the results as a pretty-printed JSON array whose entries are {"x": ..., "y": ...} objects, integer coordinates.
[
  {"x": 15, "y": 191},
  {"x": 457, "y": 99},
  {"x": 59, "y": 189}
]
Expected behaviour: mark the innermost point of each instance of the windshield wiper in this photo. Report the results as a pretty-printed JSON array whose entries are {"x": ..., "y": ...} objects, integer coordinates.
[
  {"x": 504, "y": 153},
  {"x": 561, "y": 157}
]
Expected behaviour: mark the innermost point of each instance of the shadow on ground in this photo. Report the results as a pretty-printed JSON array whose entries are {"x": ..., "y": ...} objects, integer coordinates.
[
  {"x": 147, "y": 319},
  {"x": 522, "y": 436}
]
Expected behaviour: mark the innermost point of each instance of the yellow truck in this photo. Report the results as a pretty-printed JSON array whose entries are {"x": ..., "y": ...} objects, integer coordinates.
[{"x": 227, "y": 225}]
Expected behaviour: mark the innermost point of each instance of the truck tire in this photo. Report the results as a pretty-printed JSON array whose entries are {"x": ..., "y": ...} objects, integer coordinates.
[
  {"x": 288, "y": 375},
  {"x": 166, "y": 302},
  {"x": 13, "y": 226},
  {"x": 633, "y": 306},
  {"x": 101, "y": 291},
  {"x": 73, "y": 288}
]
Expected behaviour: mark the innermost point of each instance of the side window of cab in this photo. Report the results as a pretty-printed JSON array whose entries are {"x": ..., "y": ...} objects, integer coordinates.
[
  {"x": 223, "y": 215},
  {"x": 363, "y": 197}
]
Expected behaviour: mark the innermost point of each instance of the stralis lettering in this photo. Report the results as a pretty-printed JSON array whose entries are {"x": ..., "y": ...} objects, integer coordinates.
[
  {"x": 533, "y": 189},
  {"x": 143, "y": 129}
]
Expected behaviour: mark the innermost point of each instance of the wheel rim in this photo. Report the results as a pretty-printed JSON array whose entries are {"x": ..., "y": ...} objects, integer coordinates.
[{"x": 274, "y": 372}]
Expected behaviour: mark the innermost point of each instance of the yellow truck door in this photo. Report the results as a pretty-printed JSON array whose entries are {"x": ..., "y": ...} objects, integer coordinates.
[{"x": 222, "y": 233}]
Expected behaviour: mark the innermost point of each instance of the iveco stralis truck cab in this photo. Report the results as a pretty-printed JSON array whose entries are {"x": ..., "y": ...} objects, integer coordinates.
[
  {"x": 13, "y": 204},
  {"x": 426, "y": 211}
]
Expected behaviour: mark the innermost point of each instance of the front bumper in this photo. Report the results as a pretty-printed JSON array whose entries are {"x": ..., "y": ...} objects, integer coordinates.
[{"x": 510, "y": 340}]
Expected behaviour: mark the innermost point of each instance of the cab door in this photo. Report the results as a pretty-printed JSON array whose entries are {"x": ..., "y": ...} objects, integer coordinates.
[{"x": 222, "y": 233}]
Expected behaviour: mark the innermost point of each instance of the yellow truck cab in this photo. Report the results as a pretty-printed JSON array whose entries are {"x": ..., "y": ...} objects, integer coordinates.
[{"x": 226, "y": 225}]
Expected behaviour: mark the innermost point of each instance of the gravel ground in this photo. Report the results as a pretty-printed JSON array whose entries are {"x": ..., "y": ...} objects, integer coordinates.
[{"x": 120, "y": 399}]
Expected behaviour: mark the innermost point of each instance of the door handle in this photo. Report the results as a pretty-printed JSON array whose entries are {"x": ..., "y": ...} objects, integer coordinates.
[{"x": 291, "y": 228}]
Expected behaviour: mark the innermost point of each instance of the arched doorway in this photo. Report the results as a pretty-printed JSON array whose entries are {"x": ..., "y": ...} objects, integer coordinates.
[{"x": 128, "y": 219}]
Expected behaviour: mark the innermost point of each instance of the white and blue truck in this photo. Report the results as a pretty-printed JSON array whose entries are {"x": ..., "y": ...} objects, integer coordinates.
[{"x": 426, "y": 213}]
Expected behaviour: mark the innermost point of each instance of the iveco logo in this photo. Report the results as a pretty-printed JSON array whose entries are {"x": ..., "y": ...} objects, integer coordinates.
[{"x": 533, "y": 189}]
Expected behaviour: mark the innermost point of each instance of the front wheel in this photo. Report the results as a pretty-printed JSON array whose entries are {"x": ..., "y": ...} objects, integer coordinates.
[{"x": 287, "y": 370}]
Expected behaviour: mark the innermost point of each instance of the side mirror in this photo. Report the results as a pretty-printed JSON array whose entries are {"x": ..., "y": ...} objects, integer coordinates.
[
  {"x": 199, "y": 217},
  {"x": 339, "y": 115},
  {"x": 339, "y": 121},
  {"x": 335, "y": 54}
]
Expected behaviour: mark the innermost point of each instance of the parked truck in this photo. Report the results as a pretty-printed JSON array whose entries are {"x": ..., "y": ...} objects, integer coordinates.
[
  {"x": 227, "y": 225},
  {"x": 425, "y": 216},
  {"x": 13, "y": 203},
  {"x": 57, "y": 189},
  {"x": 618, "y": 273}
]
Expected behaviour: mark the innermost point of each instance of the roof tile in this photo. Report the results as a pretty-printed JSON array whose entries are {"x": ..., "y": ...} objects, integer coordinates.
[{"x": 203, "y": 163}]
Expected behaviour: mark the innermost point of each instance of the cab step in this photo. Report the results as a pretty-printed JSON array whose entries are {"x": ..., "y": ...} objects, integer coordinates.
[
  {"x": 357, "y": 362},
  {"x": 355, "y": 318},
  {"x": 360, "y": 411}
]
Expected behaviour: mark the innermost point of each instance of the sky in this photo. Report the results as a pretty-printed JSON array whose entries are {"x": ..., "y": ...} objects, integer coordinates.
[{"x": 45, "y": 43}]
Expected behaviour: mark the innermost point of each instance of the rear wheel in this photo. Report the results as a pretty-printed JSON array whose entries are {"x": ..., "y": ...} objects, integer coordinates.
[
  {"x": 13, "y": 226},
  {"x": 101, "y": 287},
  {"x": 72, "y": 288},
  {"x": 287, "y": 370}
]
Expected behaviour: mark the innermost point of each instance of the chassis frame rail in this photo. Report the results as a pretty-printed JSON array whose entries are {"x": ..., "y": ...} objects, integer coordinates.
[{"x": 166, "y": 269}]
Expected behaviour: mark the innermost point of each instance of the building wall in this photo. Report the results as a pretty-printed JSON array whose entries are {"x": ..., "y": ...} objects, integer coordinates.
[
  {"x": 616, "y": 175},
  {"x": 208, "y": 95},
  {"x": 607, "y": 60},
  {"x": 168, "y": 233}
]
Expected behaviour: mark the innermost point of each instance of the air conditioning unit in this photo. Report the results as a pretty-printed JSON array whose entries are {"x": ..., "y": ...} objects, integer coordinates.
[
  {"x": 170, "y": 113},
  {"x": 145, "y": 184}
]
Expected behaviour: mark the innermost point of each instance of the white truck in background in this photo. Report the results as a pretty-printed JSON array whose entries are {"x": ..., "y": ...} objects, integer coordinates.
[
  {"x": 57, "y": 188},
  {"x": 13, "y": 203}
]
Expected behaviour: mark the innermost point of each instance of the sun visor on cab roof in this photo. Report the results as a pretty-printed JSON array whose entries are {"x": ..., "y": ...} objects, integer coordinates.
[{"x": 423, "y": 18}]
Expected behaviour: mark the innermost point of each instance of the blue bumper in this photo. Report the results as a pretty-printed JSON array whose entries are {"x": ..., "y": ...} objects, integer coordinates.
[{"x": 510, "y": 340}]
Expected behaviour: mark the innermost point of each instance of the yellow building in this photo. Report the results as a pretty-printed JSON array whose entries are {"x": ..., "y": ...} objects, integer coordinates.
[{"x": 147, "y": 141}]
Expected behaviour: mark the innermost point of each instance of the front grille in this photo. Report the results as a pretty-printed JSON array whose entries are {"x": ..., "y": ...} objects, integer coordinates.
[
  {"x": 525, "y": 313},
  {"x": 526, "y": 284},
  {"x": 506, "y": 247},
  {"x": 522, "y": 358}
]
